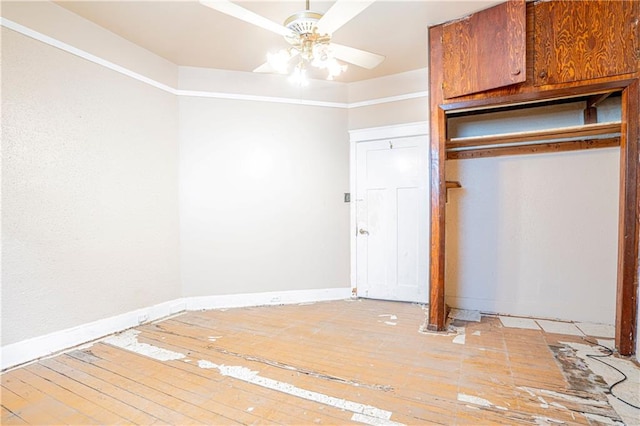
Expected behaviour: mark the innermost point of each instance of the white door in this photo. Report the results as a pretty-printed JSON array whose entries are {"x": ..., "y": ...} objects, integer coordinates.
[{"x": 392, "y": 219}]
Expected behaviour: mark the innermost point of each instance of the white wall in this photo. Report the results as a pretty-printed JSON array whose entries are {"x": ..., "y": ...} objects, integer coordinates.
[
  {"x": 407, "y": 91},
  {"x": 535, "y": 235},
  {"x": 89, "y": 191},
  {"x": 262, "y": 197}
]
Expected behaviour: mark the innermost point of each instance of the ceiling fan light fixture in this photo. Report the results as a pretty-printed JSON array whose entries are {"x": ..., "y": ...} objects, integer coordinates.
[
  {"x": 298, "y": 76},
  {"x": 324, "y": 59},
  {"x": 280, "y": 61},
  {"x": 334, "y": 68},
  {"x": 309, "y": 36}
]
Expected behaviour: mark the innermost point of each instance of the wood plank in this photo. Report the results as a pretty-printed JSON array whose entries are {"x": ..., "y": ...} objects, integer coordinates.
[
  {"x": 20, "y": 400},
  {"x": 231, "y": 393},
  {"x": 491, "y": 50},
  {"x": 574, "y": 132},
  {"x": 9, "y": 418},
  {"x": 175, "y": 409},
  {"x": 200, "y": 349},
  {"x": 540, "y": 148},
  {"x": 582, "y": 40},
  {"x": 309, "y": 359},
  {"x": 70, "y": 399},
  {"x": 595, "y": 100},
  {"x": 83, "y": 384},
  {"x": 200, "y": 388},
  {"x": 437, "y": 308},
  {"x": 590, "y": 115},
  {"x": 427, "y": 372},
  {"x": 629, "y": 211},
  {"x": 118, "y": 388}
]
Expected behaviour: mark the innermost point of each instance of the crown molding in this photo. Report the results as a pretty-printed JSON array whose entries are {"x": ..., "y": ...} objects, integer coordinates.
[{"x": 21, "y": 29}]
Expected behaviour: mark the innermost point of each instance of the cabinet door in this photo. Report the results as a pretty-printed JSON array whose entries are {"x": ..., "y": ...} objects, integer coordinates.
[
  {"x": 581, "y": 40},
  {"x": 485, "y": 50}
]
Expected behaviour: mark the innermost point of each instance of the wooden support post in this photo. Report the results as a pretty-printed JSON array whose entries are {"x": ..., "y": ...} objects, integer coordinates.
[
  {"x": 590, "y": 115},
  {"x": 437, "y": 311},
  {"x": 628, "y": 268}
]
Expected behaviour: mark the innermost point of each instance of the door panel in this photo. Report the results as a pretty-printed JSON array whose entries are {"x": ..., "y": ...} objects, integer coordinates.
[
  {"x": 407, "y": 241},
  {"x": 579, "y": 40},
  {"x": 485, "y": 50},
  {"x": 392, "y": 219}
]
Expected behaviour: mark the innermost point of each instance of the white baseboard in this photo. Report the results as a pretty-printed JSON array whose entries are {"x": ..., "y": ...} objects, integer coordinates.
[
  {"x": 31, "y": 349},
  {"x": 28, "y": 350},
  {"x": 268, "y": 298}
]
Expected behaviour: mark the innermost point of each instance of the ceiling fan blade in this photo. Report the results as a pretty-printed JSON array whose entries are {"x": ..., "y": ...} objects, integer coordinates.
[
  {"x": 358, "y": 57},
  {"x": 340, "y": 13},
  {"x": 265, "y": 68},
  {"x": 268, "y": 67},
  {"x": 232, "y": 9}
]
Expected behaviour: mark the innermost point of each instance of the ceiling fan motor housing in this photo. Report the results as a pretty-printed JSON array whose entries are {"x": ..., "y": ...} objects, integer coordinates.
[
  {"x": 306, "y": 40},
  {"x": 303, "y": 23}
]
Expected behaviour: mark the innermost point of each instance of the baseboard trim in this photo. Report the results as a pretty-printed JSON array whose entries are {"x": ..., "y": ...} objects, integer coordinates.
[
  {"x": 38, "y": 347},
  {"x": 29, "y": 350},
  {"x": 267, "y": 298}
]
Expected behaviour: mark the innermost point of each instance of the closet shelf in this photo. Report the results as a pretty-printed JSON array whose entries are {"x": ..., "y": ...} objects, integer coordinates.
[{"x": 540, "y": 136}]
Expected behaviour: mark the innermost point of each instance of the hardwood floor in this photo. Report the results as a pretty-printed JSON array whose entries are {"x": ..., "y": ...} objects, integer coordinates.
[{"x": 356, "y": 361}]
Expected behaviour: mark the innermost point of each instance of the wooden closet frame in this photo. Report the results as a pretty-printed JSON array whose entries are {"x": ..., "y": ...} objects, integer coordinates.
[{"x": 629, "y": 206}]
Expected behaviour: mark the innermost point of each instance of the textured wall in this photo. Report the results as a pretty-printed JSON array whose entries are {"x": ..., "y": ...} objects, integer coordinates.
[
  {"x": 261, "y": 189},
  {"x": 89, "y": 191}
]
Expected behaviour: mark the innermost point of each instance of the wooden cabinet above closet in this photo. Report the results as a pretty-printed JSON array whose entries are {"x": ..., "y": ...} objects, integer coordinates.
[
  {"x": 582, "y": 40},
  {"x": 487, "y": 50},
  {"x": 517, "y": 47}
]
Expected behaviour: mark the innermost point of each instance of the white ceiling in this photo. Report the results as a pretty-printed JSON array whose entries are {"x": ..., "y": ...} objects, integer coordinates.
[{"x": 190, "y": 34}]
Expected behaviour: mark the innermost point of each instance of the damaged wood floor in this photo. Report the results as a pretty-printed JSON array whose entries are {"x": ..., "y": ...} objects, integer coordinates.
[{"x": 356, "y": 361}]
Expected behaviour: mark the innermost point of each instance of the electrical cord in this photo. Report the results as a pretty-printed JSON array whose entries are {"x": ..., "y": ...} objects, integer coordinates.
[{"x": 624, "y": 376}]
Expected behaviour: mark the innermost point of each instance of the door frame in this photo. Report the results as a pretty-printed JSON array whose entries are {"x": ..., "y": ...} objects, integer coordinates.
[{"x": 370, "y": 134}]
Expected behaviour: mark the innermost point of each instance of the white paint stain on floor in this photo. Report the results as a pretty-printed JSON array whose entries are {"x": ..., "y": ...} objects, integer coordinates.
[
  {"x": 392, "y": 319},
  {"x": 543, "y": 421},
  {"x": 362, "y": 413},
  {"x": 629, "y": 390},
  {"x": 476, "y": 400},
  {"x": 564, "y": 396},
  {"x": 129, "y": 340}
]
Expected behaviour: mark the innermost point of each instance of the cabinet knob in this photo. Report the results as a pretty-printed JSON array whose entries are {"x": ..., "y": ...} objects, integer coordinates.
[
  {"x": 516, "y": 72},
  {"x": 543, "y": 74}
]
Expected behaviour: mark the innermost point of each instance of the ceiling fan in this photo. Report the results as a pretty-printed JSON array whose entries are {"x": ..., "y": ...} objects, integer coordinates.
[{"x": 309, "y": 36}]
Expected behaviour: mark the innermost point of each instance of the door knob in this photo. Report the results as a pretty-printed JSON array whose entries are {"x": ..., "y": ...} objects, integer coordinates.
[{"x": 363, "y": 231}]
